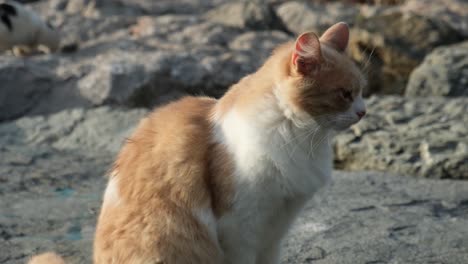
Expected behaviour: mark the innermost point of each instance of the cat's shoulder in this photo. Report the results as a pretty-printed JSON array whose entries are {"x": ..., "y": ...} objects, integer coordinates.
[
  {"x": 185, "y": 123},
  {"x": 187, "y": 109}
]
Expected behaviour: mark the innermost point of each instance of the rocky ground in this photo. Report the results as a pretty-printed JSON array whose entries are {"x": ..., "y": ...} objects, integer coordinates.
[{"x": 63, "y": 117}]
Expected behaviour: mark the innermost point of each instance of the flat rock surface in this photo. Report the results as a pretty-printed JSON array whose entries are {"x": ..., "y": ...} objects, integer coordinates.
[{"x": 368, "y": 217}]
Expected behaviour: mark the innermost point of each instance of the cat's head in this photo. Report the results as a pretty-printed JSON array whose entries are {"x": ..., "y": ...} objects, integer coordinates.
[{"x": 323, "y": 83}]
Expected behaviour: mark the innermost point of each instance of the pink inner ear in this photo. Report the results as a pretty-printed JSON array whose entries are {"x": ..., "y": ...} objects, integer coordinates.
[
  {"x": 306, "y": 55},
  {"x": 337, "y": 36}
]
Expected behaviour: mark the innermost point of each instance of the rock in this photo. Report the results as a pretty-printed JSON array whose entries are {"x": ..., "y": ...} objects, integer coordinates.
[
  {"x": 112, "y": 82},
  {"x": 23, "y": 86},
  {"x": 425, "y": 137},
  {"x": 79, "y": 6},
  {"x": 91, "y": 28},
  {"x": 99, "y": 130},
  {"x": 453, "y": 12},
  {"x": 255, "y": 45},
  {"x": 61, "y": 192},
  {"x": 150, "y": 62},
  {"x": 370, "y": 217},
  {"x": 391, "y": 45},
  {"x": 444, "y": 72},
  {"x": 181, "y": 7},
  {"x": 299, "y": 17},
  {"x": 37, "y": 85},
  {"x": 58, "y": 161},
  {"x": 244, "y": 14},
  {"x": 128, "y": 7}
]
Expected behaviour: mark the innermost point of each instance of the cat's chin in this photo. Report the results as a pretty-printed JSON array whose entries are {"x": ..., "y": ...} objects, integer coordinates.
[{"x": 338, "y": 127}]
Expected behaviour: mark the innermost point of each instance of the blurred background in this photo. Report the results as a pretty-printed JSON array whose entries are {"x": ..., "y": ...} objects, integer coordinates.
[{"x": 63, "y": 115}]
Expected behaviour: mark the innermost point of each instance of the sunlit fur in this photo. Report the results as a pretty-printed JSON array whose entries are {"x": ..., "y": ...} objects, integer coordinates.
[{"x": 221, "y": 181}]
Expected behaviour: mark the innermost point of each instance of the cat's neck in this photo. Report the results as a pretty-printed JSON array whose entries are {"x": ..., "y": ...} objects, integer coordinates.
[{"x": 254, "y": 97}]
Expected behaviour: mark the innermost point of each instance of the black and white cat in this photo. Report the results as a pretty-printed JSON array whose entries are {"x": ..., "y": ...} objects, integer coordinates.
[{"x": 23, "y": 31}]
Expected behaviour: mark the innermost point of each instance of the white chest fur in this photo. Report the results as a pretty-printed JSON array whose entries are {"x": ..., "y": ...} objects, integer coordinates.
[{"x": 277, "y": 171}]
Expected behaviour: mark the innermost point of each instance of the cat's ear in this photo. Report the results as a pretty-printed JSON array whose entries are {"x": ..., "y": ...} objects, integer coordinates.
[
  {"x": 307, "y": 56},
  {"x": 337, "y": 36}
]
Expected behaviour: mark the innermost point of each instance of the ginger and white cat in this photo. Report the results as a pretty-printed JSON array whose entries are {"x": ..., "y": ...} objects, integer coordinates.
[{"x": 221, "y": 181}]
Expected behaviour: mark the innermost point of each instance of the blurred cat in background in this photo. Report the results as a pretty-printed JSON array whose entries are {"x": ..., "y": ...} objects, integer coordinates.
[{"x": 24, "y": 32}]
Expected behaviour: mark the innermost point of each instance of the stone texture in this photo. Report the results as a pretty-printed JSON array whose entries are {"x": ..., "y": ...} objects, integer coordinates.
[
  {"x": 390, "y": 45},
  {"x": 425, "y": 137},
  {"x": 112, "y": 82},
  {"x": 369, "y": 217},
  {"x": 299, "y": 17},
  {"x": 98, "y": 130},
  {"x": 454, "y": 12},
  {"x": 444, "y": 72},
  {"x": 145, "y": 53},
  {"x": 133, "y": 59},
  {"x": 244, "y": 14},
  {"x": 17, "y": 95}
]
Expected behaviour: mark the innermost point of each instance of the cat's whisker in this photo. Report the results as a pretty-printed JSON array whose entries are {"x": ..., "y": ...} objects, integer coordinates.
[
  {"x": 305, "y": 133},
  {"x": 319, "y": 141},
  {"x": 366, "y": 65},
  {"x": 312, "y": 140}
]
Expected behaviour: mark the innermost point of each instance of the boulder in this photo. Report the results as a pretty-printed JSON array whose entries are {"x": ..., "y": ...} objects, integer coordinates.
[
  {"x": 244, "y": 14},
  {"x": 139, "y": 61},
  {"x": 112, "y": 82},
  {"x": 99, "y": 130},
  {"x": 453, "y": 12},
  {"x": 425, "y": 137},
  {"x": 23, "y": 85},
  {"x": 444, "y": 72},
  {"x": 390, "y": 45},
  {"x": 35, "y": 86},
  {"x": 299, "y": 17}
]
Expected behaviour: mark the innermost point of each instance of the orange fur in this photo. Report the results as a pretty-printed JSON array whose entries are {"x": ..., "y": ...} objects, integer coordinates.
[
  {"x": 46, "y": 258},
  {"x": 173, "y": 165},
  {"x": 165, "y": 171}
]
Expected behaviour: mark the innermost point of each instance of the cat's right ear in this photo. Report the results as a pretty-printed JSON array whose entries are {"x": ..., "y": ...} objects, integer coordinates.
[{"x": 307, "y": 56}]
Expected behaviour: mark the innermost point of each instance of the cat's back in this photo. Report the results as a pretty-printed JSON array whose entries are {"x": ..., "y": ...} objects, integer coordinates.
[
  {"x": 157, "y": 188},
  {"x": 171, "y": 139}
]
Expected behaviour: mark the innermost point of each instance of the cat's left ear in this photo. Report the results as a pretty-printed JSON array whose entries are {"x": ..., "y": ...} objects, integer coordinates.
[
  {"x": 307, "y": 56},
  {"x": 337, "y": 36}
]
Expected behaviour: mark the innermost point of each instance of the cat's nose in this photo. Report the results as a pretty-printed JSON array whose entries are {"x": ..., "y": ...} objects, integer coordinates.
[{"x": 360, "y": 114}]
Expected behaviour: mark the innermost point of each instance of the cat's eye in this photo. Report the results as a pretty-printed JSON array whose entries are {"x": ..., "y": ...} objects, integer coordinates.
[{"x": 345, "y": 94}]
